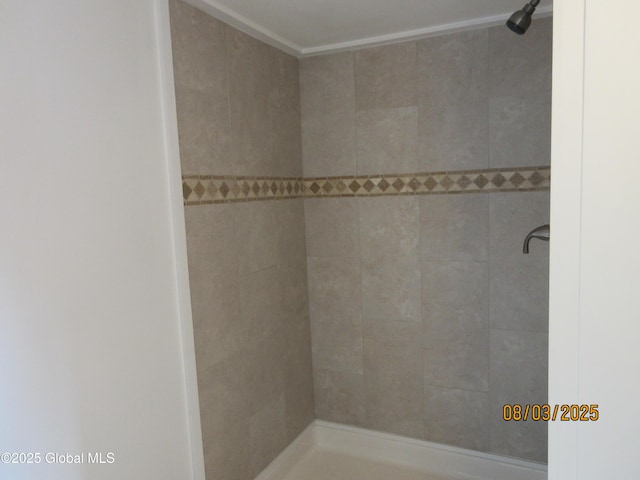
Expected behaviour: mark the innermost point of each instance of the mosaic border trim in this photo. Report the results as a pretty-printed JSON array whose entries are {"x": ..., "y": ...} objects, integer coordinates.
[{"x": 208, "y": 189}]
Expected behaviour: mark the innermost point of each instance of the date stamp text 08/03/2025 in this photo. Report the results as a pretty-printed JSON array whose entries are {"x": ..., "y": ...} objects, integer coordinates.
[{"x": 545, "y": 413}]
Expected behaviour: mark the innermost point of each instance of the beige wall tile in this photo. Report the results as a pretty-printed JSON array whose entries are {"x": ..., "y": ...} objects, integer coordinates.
[
  {"x": 289, "y": 217},
  {"x": 198, "y": 49},
  {"x": 339, "y": 397},
  {"x": 300, "y": 407},
  {"x": 267, "y": 434},
  {"x": 454, "y": 227},
  {"x": 519, "y": 284},
  {"x": 249, "y": 89},
  {"x": 284, "y": 81},
  {"x": 520, "y": 65},
  {"x": 299, "y": 401},
  {"x": 453, "y": 137},
  {"x": 454, "y": 66},
  {"x": 453, "y": 89},
  {"x": 519, "y": 291},
  {"x": 392, "y": 347},
  {"x": 518, "y": 367},
  {"x": 211, "y": 245},
  {"x": 336, "y": 322},
  {"x": 239, "y": 113},
  {"x": 329, "y": 144},
  {"x": 292, "y": 262},
  {"x": 464, "y": 366},
  {"x": 227, "y": 459},
  {"x": 260, "y": 304},
  {"x": 203, "y": 131},
  {"x": 389, "y": 227},
  {"x": 393, "y": 376},
  {"x": 391, "y": 287},
  {"x": 218, "y": 327},
  {"x": 257, "y": 236},
  {"x": 294, "y": 295},
  {"x": 327, "y": 84},
  {"x": 286, "y": 143},
  {"x": 519, "y": 371},
  {"x": 394, "y": 404},
  {"x": 265, "y": 371},
  {"x": 389, "y": 239},
  {"x": 387, "y": 141},
  {"x": 223, "y": 414},
  {"x": 512, "y": 217},
  {"x": 387, "y": 76},
  {"x": 455, "y": 306},
  {"x": 251, "y": 140},
  {"x": 457, "y": 417},
  {"x": 223, "y": 392},
  {"x": 332, "y": 227},
  {"x": 520, "y": 130},
  {"x": 297, "y": 353},
  {"x": 327, "y": 92},
  {"x": 455, "y": 302},
  {"x": 526, "y": 440}
]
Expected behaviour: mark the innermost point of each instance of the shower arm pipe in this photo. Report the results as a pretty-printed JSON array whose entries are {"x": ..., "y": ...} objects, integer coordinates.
[
  {"x": 530, "y": 7},
  {"x": 541, "y": 233}
]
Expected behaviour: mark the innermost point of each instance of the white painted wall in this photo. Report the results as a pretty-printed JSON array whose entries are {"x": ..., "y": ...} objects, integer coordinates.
[
  {"x": 595, "y": 259},
  {"x": 96, "y": 352}
]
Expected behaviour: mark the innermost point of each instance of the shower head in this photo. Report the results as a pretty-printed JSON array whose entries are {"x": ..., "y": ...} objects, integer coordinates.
[{"x": 520, "y": 20}]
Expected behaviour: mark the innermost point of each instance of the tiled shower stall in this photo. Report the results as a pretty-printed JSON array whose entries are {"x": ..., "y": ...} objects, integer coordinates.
[{"x": 355, "y": 224}]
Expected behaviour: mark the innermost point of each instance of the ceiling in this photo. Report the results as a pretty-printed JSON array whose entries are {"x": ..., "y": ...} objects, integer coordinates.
[{"x": 311, "y": 27}]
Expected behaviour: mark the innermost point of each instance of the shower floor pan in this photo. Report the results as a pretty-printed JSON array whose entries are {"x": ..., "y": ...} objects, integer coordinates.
[{"x": 328, "y": 451}]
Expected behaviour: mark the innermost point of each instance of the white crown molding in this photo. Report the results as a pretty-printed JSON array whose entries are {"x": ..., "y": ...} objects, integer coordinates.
[
  {"x": 417, "y": 34},
  {"x": 227, "y": 15}
]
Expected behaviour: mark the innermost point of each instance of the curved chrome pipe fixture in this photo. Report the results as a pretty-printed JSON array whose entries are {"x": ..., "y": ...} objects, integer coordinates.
[
  {"x": 520, "y": 20},
  {"x": 541, "y": 233}
]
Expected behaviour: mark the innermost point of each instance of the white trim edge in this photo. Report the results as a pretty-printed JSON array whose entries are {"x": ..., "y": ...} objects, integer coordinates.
[
  {"x": 427, "y": 457},
  {"x": 172, "y": 158},
  {"x": 473, "y": 24},
  {"x": 227, "y": 15}
]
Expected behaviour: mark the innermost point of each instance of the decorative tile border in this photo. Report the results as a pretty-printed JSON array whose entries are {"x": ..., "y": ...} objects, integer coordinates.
[{"x": 208, "y": 189}]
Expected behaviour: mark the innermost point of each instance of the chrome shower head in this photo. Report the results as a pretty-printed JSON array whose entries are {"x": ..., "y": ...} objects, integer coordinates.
[{"x": 520, "y": 20}]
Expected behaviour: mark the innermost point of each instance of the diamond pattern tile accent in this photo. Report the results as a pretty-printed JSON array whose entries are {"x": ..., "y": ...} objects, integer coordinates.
[
  {"x": 517, "y": 179},
  {"x": 368, "y": 186},
  {"x": 207, "y": 189},
  {"x": 446, "y": 182},
  {"x": 398, "y": 184},
  {"x": 430, "y": 183},
  {"x": 536, "y": 178},
  {"x": 199, "y": 190},
  {"x": 481, "y": 181},
  {"x": 186, "y": 190},
  {"x": 498, "y": 180},
  {"x": 463, "y": 182}
]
